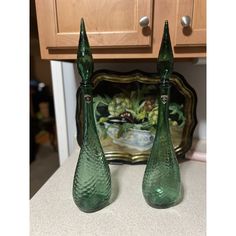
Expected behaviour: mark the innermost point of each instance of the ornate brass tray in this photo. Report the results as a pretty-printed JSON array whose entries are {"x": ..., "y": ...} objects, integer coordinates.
[{"x": 125, "y": 109}]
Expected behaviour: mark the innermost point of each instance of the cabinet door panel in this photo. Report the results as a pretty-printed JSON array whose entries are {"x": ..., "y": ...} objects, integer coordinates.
[
  {"x": 101, "y": 16},
  {"x": 195, "y": 35},
  {"x": 109, "y": 23}
]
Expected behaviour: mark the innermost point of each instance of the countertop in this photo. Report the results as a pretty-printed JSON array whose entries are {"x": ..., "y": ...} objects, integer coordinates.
[{"x": 53, "y": 212}]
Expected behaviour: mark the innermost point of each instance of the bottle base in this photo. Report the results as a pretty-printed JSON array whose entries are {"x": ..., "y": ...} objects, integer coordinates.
[
  {"x": 164, "y": 203},
  {"x": 162, "y": 206},
  {"x": 92, "y": 204}
]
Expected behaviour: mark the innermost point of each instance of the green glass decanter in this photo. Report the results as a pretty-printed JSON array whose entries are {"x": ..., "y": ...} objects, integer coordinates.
[
  {"x": 92, "y": 179},
  {"x": 161, "y": 182}
]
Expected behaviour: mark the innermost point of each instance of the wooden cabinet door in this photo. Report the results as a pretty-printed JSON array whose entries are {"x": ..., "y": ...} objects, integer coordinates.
[
  {"x": 109, "y": 23},
  {"x": 195, "y": 35}
]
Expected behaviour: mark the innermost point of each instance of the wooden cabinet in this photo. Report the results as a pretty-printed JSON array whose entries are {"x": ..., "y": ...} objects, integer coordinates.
[
  {"x": 113, "y": 28},
  {"x": 195, "y": 33}
]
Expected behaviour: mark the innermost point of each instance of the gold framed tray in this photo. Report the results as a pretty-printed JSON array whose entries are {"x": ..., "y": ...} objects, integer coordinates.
[{"x": 126, "y": 108}]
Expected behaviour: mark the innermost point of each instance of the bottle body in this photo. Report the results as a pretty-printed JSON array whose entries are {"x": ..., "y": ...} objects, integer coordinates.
[
  {"x": 161, "y": 183},
  {"x": 92, "y": 180}
]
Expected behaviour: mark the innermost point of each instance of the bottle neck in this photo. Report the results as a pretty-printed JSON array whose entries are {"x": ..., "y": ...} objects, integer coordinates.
[
  {"x": 163, "y": 109},
  {"x": 89, "y": 127}
]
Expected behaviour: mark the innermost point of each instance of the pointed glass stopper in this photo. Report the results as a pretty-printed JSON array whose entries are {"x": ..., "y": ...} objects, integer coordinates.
[
  {"x": 84, "y": 56},
  {"x": 165, "y": 61}
]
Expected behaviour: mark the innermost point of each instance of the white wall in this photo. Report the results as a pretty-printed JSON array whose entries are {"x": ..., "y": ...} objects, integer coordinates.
[
  {"x": 196, "y": 77},
  {"x": 194, "y": 74}
]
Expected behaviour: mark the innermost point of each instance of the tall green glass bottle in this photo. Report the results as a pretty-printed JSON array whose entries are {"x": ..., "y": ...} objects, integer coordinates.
[
  {"x": 92, "y": 180},
  {"x": 161, "y": 182}
]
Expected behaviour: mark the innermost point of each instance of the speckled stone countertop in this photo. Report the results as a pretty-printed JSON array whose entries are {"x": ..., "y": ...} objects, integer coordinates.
[{"x": 53, "y": 212}]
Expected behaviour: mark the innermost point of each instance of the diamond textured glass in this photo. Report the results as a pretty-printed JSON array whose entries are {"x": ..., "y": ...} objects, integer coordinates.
[
  {"x": 161, "y": 182},
  {"x": 92, "y": 179}
]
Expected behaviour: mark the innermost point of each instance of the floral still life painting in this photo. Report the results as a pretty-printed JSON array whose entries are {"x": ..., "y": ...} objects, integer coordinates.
[{"x": 126, "y": 110}]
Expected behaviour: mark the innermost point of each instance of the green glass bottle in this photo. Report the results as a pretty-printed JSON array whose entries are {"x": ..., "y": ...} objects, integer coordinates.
[
  {"x": 161, "y": 182},
  {"x": 92, "y": 180}
]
